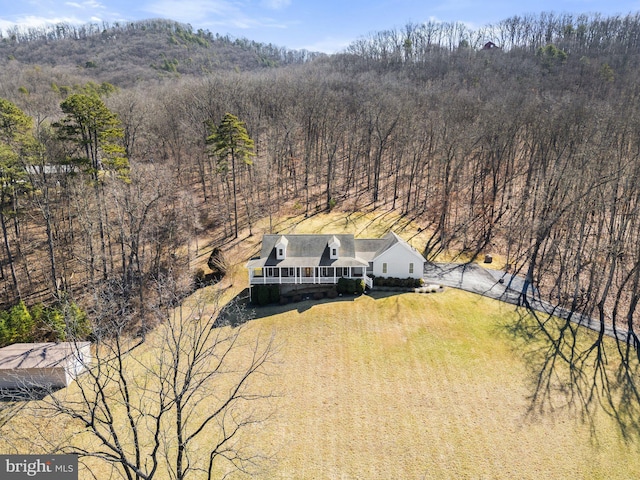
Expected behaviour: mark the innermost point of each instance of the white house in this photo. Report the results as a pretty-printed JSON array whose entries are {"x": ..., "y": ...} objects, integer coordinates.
[
  {"x": 325, "y": 258},
  {"x": 391, "y": 256},
  {"x": 42, "y": 365}
]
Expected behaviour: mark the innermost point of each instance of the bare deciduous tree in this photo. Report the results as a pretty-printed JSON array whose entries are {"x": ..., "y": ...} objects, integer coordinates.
[{"x": 177, "y": 405}]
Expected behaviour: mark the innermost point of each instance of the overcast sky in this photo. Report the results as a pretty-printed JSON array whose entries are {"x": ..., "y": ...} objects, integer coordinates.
[{"x": 327, "y": 25}]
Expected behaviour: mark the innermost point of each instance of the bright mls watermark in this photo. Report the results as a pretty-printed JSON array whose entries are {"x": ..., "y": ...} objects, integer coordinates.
[{"x": 52, "y": 467}]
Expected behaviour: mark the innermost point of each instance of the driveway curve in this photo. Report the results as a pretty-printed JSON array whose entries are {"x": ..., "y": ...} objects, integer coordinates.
[{"x": 505, "y": 287}]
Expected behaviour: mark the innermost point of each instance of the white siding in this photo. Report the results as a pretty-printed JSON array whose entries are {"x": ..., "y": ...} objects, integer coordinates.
[
  {"x": 281, "y": 248},
  {"x": 398, "y": 258},
  {"x": 78, "y": 362},
  {"x": 60, "y": 375}
]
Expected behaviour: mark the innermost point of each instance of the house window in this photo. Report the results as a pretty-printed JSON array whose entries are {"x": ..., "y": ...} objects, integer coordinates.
[
  {"x": 280, "y": 252},
  {"x": 257, "y": 272},
  {"x": 334, "y": 245},
  {"x": 411, "y": 268},
  {"x": 384, "y": 268}
]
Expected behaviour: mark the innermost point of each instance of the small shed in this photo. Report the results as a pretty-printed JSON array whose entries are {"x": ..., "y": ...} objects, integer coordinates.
[{"x": 42, "y": 365}]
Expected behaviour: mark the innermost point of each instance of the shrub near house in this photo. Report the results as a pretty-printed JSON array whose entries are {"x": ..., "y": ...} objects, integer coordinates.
[
  {"x": 350, "y": 286},
  {"x": 398, "y": 282},
  {"x": 265, "y": 294}
]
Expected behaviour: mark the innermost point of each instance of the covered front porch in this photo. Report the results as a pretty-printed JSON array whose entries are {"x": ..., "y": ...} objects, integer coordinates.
[{"x": 306, "y": 275}]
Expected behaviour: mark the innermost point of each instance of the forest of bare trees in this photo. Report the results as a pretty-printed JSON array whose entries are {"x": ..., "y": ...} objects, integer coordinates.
[
  {"x": 130, "y": 52},
  {"x": 529, "y": 150}
]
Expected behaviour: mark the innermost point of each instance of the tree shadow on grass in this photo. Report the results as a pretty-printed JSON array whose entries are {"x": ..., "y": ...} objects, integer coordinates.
[
  {"x": 14, "y": 400},
  {"x": 576, "y": 370},
  {"x": 241, "y": 309},
  {"x": 25, "y": 394}
]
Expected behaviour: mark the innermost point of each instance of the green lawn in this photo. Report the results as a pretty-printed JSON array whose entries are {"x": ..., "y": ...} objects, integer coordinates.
[{"x": 422, "y": 386}]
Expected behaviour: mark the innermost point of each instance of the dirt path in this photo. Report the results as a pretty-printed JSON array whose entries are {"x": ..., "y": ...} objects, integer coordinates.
[{"x": 503, "y": 286}]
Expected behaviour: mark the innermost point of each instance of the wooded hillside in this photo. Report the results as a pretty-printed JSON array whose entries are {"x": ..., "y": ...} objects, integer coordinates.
[
  {"x": 126, "y": 53},
  {"x": 529, "y": 150}
]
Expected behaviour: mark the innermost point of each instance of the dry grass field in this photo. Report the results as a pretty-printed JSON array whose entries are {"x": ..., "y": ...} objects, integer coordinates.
[
  {"x": 413, "y": 386},
  {"x": 403, "y": 386}
]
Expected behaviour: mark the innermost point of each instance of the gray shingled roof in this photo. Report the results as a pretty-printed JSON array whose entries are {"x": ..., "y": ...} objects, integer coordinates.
[
  {"x": 369, "y": 248},
  {"x": 308, "y": 251},
  {"x": 311, "y": 250},
  {"x": 37, "y": 355}
]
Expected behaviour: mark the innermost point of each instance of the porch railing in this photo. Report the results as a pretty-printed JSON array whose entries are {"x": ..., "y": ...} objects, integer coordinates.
[{"x": 270, "y": 280}]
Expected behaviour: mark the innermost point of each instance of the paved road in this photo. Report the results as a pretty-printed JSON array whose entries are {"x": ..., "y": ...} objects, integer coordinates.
[{"x": 507, "y": 288}]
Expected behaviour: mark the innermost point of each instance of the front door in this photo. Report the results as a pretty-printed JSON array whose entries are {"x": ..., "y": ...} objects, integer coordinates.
[{"x": 307, "y": 271}]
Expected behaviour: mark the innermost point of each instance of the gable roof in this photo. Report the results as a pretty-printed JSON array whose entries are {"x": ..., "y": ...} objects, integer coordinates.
[
  {"x": 309, "y": 250},
  {"x": 282, "y": 241},
  {"x": 372, "y": 247},
  {"x": 394, "y": 240}
]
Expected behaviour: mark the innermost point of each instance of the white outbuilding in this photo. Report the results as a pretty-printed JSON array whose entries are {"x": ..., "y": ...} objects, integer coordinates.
[{"x": 42, "y": 365}]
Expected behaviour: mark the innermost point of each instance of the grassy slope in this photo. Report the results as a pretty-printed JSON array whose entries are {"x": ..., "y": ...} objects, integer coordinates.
[
  {"x": 412, "y": 386},
  {"x": 405, "y": 386}
]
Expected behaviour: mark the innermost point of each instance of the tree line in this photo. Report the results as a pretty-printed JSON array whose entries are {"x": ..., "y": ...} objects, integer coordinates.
[
  {"x": 578, "y": 34},
  {"x": 128, "y": 52},
  {"x": 528, "y": 152},
  {"x": 508, "y": 150}
]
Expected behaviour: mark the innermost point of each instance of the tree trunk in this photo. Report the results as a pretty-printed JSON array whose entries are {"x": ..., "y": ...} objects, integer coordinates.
[{"x": 9, "y": 255}]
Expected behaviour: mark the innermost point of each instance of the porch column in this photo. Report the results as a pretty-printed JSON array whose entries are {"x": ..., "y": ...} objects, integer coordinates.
[{"x": 279, "y": 275}]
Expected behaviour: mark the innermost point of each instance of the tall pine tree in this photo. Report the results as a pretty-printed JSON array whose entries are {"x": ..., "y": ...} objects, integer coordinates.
[
  {"x": 15, "y": 127},
  {"x": 95, "y": 133},
  {"x": 230, "y": 141}
]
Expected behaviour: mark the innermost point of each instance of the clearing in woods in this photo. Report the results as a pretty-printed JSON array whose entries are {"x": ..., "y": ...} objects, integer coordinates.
[
  {"x": 408, "y": 386},
  {"x": 425, "y": 386}
]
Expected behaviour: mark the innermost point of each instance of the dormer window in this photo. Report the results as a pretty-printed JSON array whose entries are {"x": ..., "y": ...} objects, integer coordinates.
[
  {"x": 334, "y": 246},
  {"x": 281, "y": 248}
]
